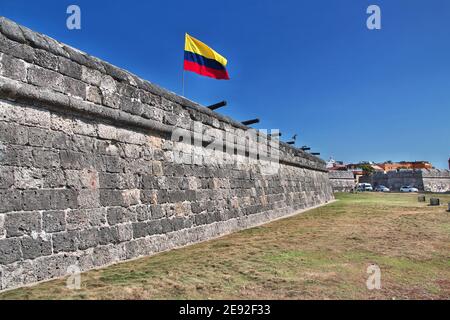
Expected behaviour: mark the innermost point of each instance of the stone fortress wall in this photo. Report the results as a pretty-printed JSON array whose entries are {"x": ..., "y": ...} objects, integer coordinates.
[
  {"x": 90, "y": 174},
  {"x": 342, "y": 181},
  {"x": 428, "y": 180}
]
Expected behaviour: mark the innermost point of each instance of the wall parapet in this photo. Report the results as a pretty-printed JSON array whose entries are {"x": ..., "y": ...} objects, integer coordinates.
[{"x": 85, "y": 83}]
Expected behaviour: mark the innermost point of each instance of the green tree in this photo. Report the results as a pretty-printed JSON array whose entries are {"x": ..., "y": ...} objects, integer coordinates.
[{"x": 367, "y": 169}]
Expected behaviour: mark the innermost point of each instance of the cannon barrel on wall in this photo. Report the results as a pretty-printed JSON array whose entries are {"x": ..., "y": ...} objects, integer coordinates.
[
  {"x": 250, "y": 122},
  {"x": 278, "y": 134},
  {"x": 217, "y": 105}
]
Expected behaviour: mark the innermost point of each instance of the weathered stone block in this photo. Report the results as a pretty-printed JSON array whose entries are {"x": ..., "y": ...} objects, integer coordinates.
[
  {"x": 35, "y": 247},
  {"x": 46, "y": 59},
  {"x": 114, "y": 164},
  {"x": 10, "y": 200},
  {"x": 11, "y": 30},
  {"x": 88, "y": 239},
  {"x": 117, "y": 215},
  {"x": 166, "y": 225},
  {"x": 70, "y": 68},
  {"x": 73, "y": 87},
  {"x": 54, "y": 221},
  {"x": 44, "y": 158},
  {"x": 44, "y": 78},
  {"x": 94, "y": 95},
  {"x": 63, "y": 199},
  {"x": 154, "y": 227},
  {"x": 6, "y": 177},
  {"x": 112, "y": 198},
  {"x": 65, "y": 241},
  {"x": 131, "y": 197},
  {"x": 20, "y": 51},
  {"x": 82, "y": 219},
  {"x": 125, "y": 232},
  {"x": 112, "y": 100},
  {"x": 109, "y": 235},
  {"x": 140, "y": 230},
  {"x": 88, "y": 199},
  {"x": 13, "y": 68},
  {"x": 40, "y": 138},
  {"x": 23, "y": 223},
  {"x": 9, "y": 251},
  {"x": 12, "y": 133},
  {"x": 53, "y": 266},
  {"x": 157, "y": 212},
  {"x": 92, "y": 76},
  {"x": 74, "y": 160},
  {"x": 149, "y": 196}
]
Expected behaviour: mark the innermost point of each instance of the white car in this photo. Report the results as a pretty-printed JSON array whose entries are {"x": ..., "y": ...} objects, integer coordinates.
[
  {"x": 364, "y": 187},
  {"x": 382, "y": 189},
  {"x": 408, "y": 189}
]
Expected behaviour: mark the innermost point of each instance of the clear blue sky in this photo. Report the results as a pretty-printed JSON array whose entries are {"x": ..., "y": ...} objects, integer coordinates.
[{"x": 307, "y": 67}]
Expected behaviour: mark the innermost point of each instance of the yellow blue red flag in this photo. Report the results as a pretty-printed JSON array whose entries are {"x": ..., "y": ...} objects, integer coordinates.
[{"x": 203, "y": 60}]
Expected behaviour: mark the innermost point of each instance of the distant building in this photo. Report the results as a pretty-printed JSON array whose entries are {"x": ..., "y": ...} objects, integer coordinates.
[
  {"x": 394, "y": 166},
  {"x": 333, "y": 165}
]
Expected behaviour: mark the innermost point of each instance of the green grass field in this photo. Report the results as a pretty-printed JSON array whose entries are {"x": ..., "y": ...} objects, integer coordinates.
[{"x": 321, "y": 254}]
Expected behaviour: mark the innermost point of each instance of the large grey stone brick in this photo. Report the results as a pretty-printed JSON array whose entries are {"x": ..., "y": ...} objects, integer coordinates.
[
  {"x": 13, "y": 68},
  {"x": 74, "y": 160},
  {"x": 125, "y": 232},
  {"x": 65, "y": 241},
  {"x": 10, "y": 200},
  {"x": 89, "y": 239},
  {"x": 113, "y": 198},
  {"x": 54, "y": 221},
  {"x": 73, "y": 87},
  {"x": 6, "y": 177},
  {"x": 46, "y": 268},
  {"x": 11, "y": 30},
  {"x": 33, "y": 248},
  {"x": 117, "y": 215},
  {"x": 44, "y": 158},
  {"x": 88, "y": 199},
  {"x": 36, "y": 200},
  {"x": 40, "y": 138},
  {"x": 22, "y": 223},
  {"x": 70, "y": 68},
  {"x": 109, "y": 235},
  {"x": 140, "y": 230},
  {"x": 44, "y": 78},
  {"x": 9, "y": 251},
  {"x": 13, "y": 133},
  {"x": 46, "y": 59}
]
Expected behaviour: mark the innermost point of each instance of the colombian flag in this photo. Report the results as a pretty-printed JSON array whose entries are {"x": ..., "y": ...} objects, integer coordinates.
[{"x": 201, "y": 59}]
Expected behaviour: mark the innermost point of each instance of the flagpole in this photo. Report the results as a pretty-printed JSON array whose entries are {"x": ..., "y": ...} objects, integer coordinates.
[{"x": 182, "y": 94}]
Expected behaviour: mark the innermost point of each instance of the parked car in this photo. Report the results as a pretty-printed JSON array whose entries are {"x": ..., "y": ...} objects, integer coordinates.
[
  {"x": 364, "y": 187},
  {"x": 408, "y": 189},
  {"x": 382, "y": 189}
]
